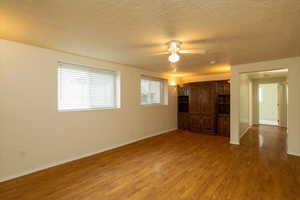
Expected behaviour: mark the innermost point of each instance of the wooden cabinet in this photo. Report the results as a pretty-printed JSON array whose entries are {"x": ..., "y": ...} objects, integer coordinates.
[
  {"x": 224, "y": 125},
  {"x": 223, "y": 88},
  {"x": 194, "y": 99},
  {"x": 183, "y": 91},
  {"x": 195, "y": 122},
  {"x": 183, "y": 120},
  {"x": 203, "y": 107},
  {"x": 223, "y": 108}
]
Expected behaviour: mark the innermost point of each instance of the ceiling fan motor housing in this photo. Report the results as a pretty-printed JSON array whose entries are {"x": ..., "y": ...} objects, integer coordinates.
[{"x": 174, "y": 46}]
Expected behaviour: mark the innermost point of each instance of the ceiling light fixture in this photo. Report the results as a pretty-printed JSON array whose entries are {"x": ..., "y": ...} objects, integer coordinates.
[
  {"x": 174, "y": 48},
  {"x": 212, "y": 62},
  {"x": 174, "y": 51},
  {"x": 174, "y": 57}
]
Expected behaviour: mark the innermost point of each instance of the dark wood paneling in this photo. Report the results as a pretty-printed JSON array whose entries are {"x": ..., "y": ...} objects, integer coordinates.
[
  {"x": 195, "y": 122},
  {"x": 183, "y": 121},
  {"x": 203, "y": 107},
  {"x": 224, "y": 125},
  {"x": 194, "y": 103},
  {"x": 223, "y": 88}
]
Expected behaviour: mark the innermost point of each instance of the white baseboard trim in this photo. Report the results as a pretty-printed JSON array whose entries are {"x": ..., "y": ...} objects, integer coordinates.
[
  {"x": 244, "y": 132},
  {"x": 293, "y": 154},
  {"x": 233, "y": 142},
  {"x": 80, "y": 157}
]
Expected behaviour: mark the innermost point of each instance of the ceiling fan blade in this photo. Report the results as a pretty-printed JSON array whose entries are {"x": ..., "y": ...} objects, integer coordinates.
[
  {"x": 160, "y": 53},
  {"x": 193, "y": 51}
]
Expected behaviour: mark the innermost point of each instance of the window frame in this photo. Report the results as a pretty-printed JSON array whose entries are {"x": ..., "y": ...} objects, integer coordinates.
[
  {"x": 116, "y": 86},
  {"x": 162, "y": 90}
]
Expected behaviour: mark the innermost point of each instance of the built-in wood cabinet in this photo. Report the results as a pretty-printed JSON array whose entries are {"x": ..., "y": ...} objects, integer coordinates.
[
  {"x": 223, "y": 125},
  {"x": 199, "y": 106},
  {"x": 223, "y": 88},
  {"x": 202, "y": 107},
  {"x": 183, "y": 120}
]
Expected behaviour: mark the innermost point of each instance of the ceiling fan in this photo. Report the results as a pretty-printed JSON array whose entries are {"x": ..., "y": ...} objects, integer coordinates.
[{"x": 174, "y": 49}]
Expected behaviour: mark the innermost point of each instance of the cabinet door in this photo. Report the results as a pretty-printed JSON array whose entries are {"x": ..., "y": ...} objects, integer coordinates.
[
  {"x": 186, "y": 121},
  {"x": 223, "y": 88},
  {"x": 208, "y": 124},
  {"x": 194, "y": 99},
  {"x": 221, "y": 126},
  {"x": 224, "y": 126},
  {"x": 195, "y": 123},
  {"x": 183, "y": 121},
  {"x": 208, "y": 108},
  {"x": 207, "y": 100},
  {"x": 180, "y": 121},
  {"x": 227, "y": 126},
  {"x": 227, "y": 89}
]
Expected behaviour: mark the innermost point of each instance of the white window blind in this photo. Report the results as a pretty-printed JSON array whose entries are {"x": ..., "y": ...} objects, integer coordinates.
[
  {"x": 84, "y": 88},
  {"x": 151, "y": 90}
]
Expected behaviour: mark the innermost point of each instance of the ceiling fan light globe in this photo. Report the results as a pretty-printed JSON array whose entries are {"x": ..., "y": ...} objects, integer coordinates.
[{"x": 174, "y": 57}]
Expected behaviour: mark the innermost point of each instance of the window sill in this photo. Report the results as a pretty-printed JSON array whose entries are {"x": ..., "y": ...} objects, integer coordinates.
[
  {"x": 153, "y": 105},
  {"x": 88, "y": 109}
]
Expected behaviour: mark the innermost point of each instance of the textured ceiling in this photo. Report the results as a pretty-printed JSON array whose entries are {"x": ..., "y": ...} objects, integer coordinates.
[{"x": 132, "y": 31}]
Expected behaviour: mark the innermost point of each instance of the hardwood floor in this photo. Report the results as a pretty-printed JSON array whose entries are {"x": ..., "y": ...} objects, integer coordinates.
[{"x": 176, "y": 165}]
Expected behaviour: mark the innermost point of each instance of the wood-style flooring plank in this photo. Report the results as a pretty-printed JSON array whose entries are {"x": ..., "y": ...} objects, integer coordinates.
[{"x": 176, "y": 165}]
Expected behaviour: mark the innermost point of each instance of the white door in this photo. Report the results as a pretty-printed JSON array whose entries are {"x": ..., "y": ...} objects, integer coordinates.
[{"x": 268, "y": 104}]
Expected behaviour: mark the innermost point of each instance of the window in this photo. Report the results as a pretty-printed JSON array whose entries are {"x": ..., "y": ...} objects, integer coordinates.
[
  {"x": 151, "y": 90},
  {"x": 84, "y": 88}
]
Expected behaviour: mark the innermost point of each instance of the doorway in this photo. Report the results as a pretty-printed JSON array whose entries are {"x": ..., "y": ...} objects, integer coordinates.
[{"x": 268, "y": 104}]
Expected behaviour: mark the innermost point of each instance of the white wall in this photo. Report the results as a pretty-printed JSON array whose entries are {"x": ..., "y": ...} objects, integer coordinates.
[
  {"x": 293, "y": 65},
  {"x": 282, "y": 82},
  {"x": 268, "y": 109},
  {"x": 244, "y": 103},
  {"x": 251, "y": 102},
  {"x": 34, "y": 135},
  {"x": 284, "y": 114}
]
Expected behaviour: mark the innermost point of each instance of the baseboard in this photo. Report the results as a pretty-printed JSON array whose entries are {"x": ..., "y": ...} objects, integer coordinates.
[
  {"x": 244, "y": 132},
  {"x": 236, "y": 143},
  {"x": 293, "y": 154},
  {"x": 82, "y": 156}
]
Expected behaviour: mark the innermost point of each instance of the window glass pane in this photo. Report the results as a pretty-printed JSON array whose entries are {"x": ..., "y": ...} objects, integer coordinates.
[
  {"x": 151, "y": 90},
  {"x": 155, "y": 91},
  {"x": 145, "y": 92},
  {"x": 85, "y": 88}
]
